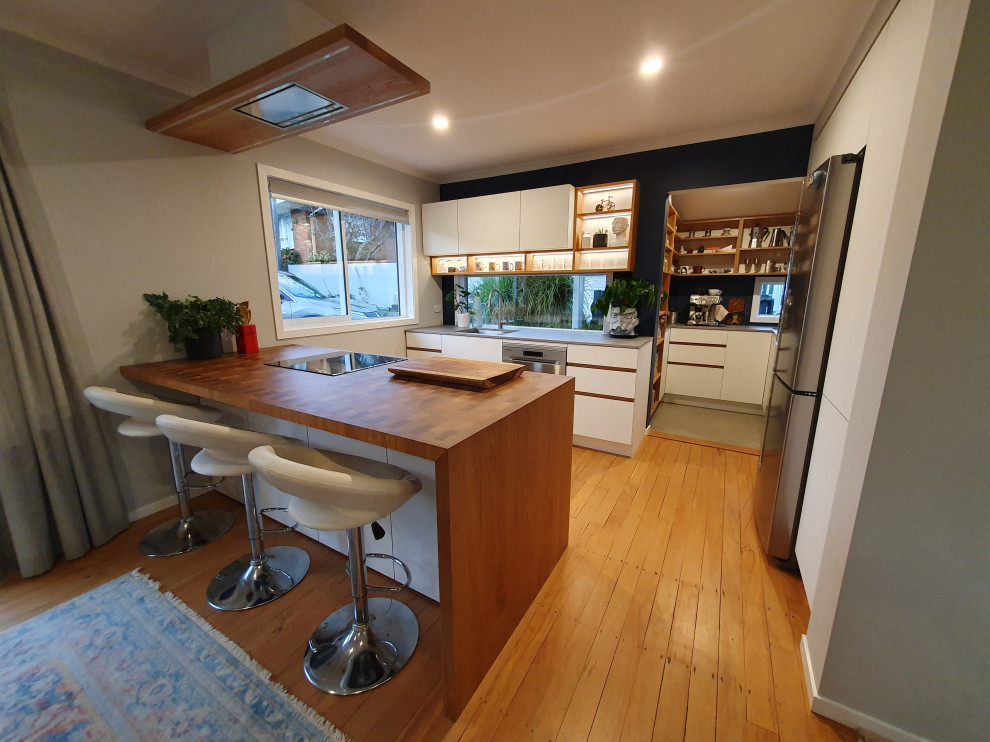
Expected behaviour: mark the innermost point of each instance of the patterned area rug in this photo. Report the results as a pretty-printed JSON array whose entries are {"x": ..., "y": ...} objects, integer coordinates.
[{"x": 126, "y": 662}]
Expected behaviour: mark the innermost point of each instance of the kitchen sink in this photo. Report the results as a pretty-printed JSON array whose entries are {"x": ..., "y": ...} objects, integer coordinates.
[{"x": 487, "y": 331}]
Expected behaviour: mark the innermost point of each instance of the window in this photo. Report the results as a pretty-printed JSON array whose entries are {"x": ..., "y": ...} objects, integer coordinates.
[
  {"x": 768, "y": 299},
  {"x": 339, "y": 259},
  {"x": 553, "y": 300}
]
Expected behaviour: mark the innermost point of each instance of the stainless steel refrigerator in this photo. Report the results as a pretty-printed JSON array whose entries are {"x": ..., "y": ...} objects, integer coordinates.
[{"x": 811, "y": 293}]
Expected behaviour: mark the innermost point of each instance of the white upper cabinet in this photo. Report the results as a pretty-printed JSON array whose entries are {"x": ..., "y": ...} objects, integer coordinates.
[
  {"x": 440, "y": 228},
  {"x": 488, "y": 224},
  {"x": 546, "y": 218}
]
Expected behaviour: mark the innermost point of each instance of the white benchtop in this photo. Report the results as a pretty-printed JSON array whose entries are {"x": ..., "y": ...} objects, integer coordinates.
[{"x": 539, "y": 334}]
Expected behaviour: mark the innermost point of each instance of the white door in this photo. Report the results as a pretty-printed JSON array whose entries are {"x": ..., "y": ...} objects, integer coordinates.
[
  {"x": 488, "y": 224},
  {"x": 440, "y": 228},
  {"x": 546, "y": 218},
  {"x": 744, "y": 375},
  {"x": 474, "y": 348}
]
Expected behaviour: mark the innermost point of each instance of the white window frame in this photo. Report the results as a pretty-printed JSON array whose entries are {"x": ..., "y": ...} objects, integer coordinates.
[
  {"x": 407, "y": 249},
  {"x": 754, "y": 307}
]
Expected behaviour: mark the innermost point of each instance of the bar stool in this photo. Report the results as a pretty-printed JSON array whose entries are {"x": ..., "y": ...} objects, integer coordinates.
[
  {"x": 360, "y": 646},
  {"x": 189, "y": 531},
  {"x": 265, "y": 574}
]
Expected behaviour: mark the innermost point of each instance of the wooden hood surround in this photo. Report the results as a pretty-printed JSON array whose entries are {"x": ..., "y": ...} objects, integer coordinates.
[{"x": 341, "y": 65}]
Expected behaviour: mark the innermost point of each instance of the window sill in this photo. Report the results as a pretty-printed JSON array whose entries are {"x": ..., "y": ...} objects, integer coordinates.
[{"x": 299, "y": 331}]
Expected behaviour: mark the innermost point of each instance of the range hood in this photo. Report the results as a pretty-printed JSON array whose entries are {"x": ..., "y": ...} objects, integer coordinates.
[{"x": 335, "y": 76}]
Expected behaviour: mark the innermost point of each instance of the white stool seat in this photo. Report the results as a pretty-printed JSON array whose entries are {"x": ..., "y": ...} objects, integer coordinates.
[
  {"x": 189, "y": 531},
  {"x": 334, "y": 491},
  {"x": 362, "y": 645},
  {"x": 265, "y": 574},
  {"x": 225, "y": 450},
  {"x": 142, "y": 411}
]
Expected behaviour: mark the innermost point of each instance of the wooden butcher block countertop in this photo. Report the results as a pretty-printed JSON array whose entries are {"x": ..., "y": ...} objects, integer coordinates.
[{"x": 369, "y": 405}]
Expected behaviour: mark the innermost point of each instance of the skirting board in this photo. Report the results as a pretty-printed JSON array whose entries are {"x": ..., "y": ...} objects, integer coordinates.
[
  {"x": 164, "y": 504},
  {"x": 843, "y": 714},
  {"x": 597, "y": 444}
]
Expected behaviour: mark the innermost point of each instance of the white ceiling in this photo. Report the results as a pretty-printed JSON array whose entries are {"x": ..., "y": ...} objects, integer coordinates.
[{"x": 525, "y": 83}]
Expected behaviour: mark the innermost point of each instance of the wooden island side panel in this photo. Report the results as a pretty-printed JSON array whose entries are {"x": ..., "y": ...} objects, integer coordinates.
[{"x": 503, "y": 500}]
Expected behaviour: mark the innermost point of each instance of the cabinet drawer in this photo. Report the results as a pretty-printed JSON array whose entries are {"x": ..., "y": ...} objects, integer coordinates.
[
  {"x": 601, "y": 381},
  {"x": 706, "y": 355},
  {"x": 605, "y": 419},
  {"x": 422, "y": 340},
  {"x": 694, "y": 381},
  {"x": 596, "y": 355},
  {"x": 692, "y": 335}
]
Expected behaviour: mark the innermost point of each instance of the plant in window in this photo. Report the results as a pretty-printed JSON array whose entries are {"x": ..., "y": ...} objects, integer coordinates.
[
  {"x": 461, "y": 298},
  {"x": 321, "y": 256},
  {"x": 618, "y": 303},
  {"x": 196, "y": 323},
  {"x": 288, "y": 256}
]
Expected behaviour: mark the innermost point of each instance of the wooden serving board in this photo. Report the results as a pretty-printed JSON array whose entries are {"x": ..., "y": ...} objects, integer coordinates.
[{"x": 459, "y": 371}]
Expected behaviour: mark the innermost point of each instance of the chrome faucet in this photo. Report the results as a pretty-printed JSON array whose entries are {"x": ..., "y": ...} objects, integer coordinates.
[{"x": 501, "y": 300}]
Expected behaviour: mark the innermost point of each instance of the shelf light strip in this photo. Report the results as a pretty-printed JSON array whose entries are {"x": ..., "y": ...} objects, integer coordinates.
[{"x": 606, "y": 188}]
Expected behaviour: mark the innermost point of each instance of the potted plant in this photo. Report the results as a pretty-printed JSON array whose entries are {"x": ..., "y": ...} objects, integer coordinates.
[
  {"x": 600, "y": 238},
  {"x": 618, "y": 305},
  {"x": 196, "y": 323},
  {"x": 461, "y": 298}
]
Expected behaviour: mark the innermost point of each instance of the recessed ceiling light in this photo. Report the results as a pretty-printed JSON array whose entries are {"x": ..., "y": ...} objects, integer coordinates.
[
  {"x": 650, "y": 66},
  {"x": 440, "y": 122}
]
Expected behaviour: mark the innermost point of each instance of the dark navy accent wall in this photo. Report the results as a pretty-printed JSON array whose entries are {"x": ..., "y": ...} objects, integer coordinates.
[{"x": 766, "y": 156}]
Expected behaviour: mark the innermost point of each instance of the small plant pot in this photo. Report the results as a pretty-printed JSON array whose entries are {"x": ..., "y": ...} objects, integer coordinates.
[
  {"x": 462, "y": 319},
  {"x": 207, "y": 344},
  {"x": 599, "y": 240}
]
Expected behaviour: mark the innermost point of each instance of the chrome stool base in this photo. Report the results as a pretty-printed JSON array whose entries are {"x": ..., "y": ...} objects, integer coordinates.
[
  {"x": 242, "y": 585},
  {"x": 343, "y": 658},
  {"x": 180, "y": 535}
]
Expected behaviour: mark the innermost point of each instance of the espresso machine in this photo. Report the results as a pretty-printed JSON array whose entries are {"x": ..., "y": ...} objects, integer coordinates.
[{"x": 702, "y": 308}]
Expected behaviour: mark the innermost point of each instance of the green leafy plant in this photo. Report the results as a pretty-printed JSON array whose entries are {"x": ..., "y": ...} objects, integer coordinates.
[
  {"x": 601, "y": 231},
  {"x": 321, "y": 256},
  {"x": 624, "y": 294},
  {"x": 185, "y": 318},
  {"x": 461, "y": 298}
]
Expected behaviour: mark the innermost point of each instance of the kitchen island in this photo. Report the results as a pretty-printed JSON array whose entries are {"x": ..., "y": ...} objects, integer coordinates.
[{"x": 500, "y": 460}]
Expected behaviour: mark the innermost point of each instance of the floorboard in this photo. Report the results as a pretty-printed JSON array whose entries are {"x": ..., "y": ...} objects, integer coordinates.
[{"x": 664, "y": 620}]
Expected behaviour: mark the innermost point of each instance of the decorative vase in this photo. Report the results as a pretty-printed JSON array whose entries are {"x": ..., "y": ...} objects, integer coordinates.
[
  {"x": 462, "y": 319},
  {"x": 621, "y": 322},
  {"x": 206, "y": 344},
  {"x": 247, "y": 339},
  {"x": 599, "y": 240}
]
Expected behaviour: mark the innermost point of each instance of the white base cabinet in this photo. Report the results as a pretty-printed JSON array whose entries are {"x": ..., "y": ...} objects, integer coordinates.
[
  {"x": 729, "y": 366},
  {"x": 410, "y": 532},
  {"x": 744, "y": 377},
  {"x": 612, "y": 384},
  {"x": 475, "y": 348}
]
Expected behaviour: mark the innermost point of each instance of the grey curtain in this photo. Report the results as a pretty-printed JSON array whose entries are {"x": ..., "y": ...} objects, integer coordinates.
[{"x": 58, "y": 493}]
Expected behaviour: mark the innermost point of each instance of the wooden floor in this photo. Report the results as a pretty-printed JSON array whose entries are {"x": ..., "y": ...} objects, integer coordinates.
[{"x": 663, "y": 620}]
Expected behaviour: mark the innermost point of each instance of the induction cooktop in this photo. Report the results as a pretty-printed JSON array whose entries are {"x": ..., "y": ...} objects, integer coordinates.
[{"x": 336, "y": 363}]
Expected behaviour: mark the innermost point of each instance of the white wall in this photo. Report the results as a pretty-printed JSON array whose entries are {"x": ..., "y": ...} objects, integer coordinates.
[
  {"x": 909, "y": 71},
  {"x": 118, "y": 211}
]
